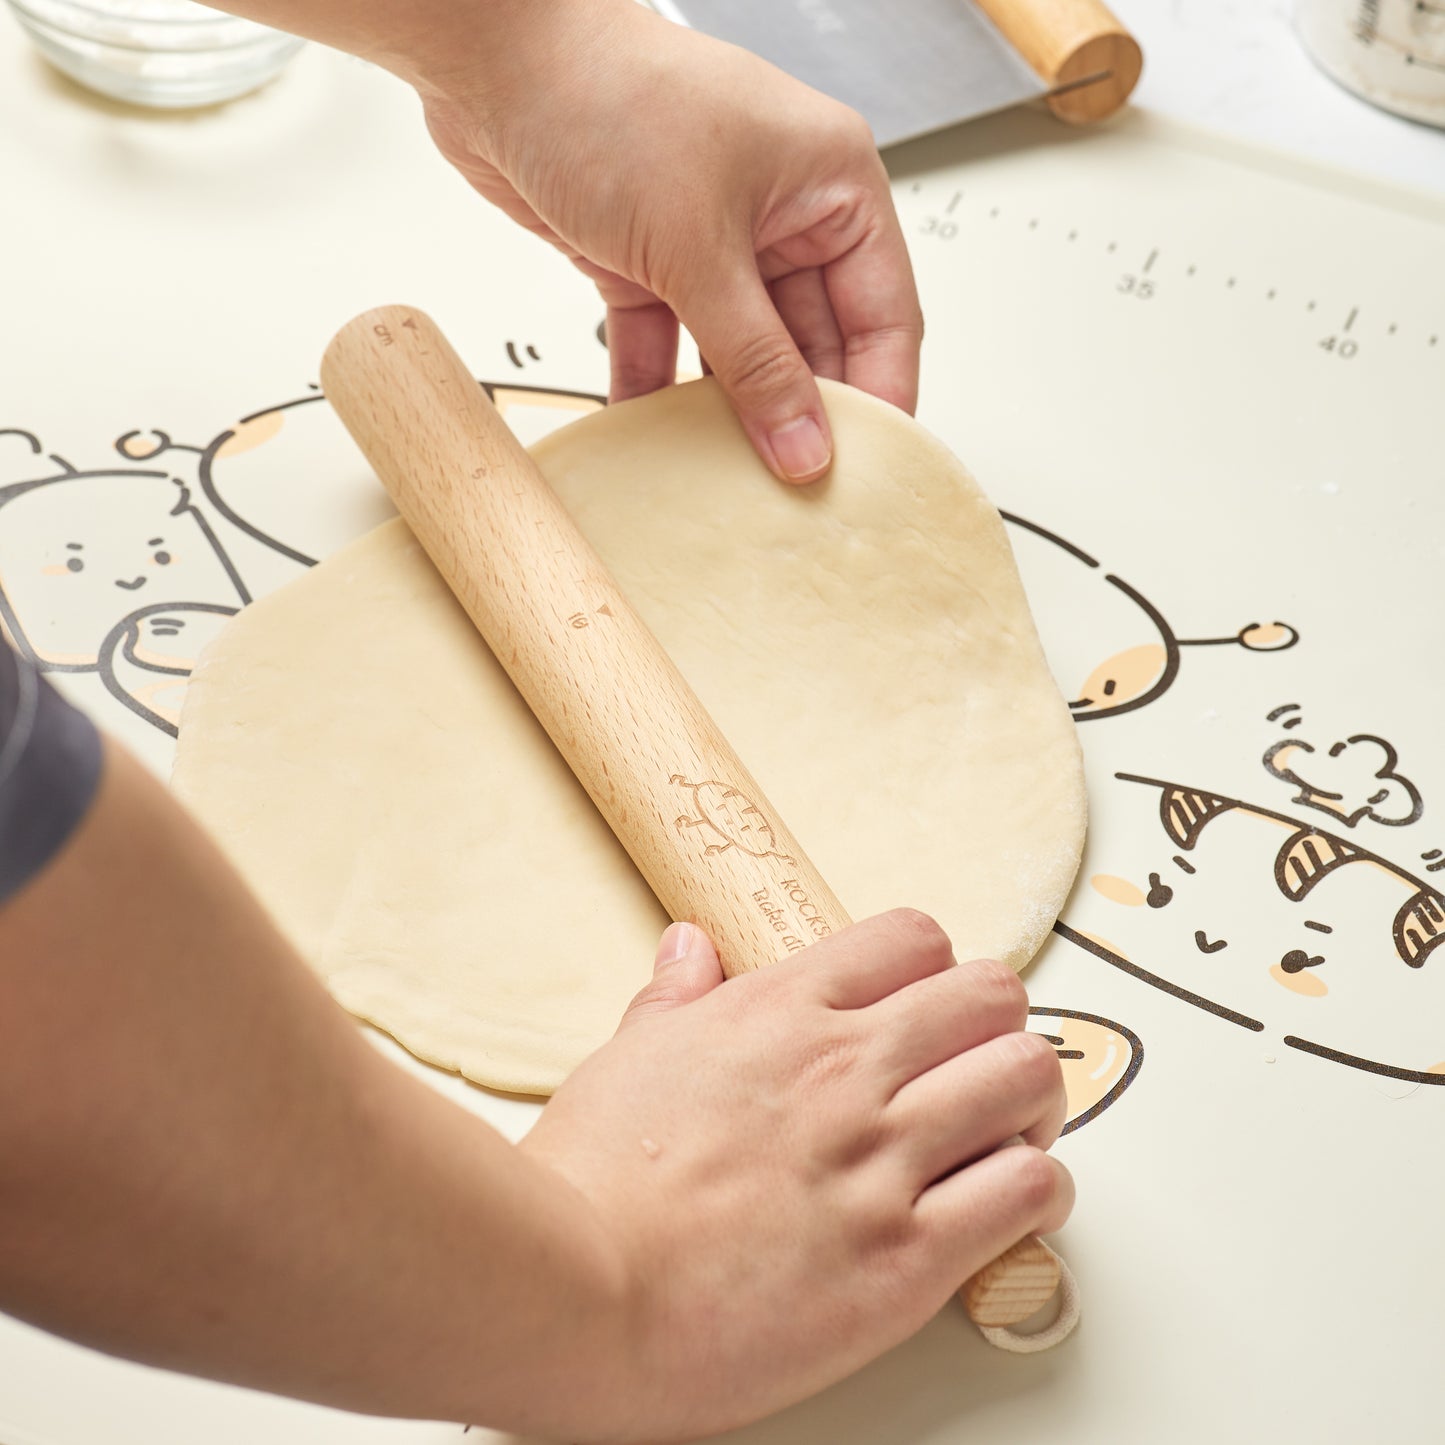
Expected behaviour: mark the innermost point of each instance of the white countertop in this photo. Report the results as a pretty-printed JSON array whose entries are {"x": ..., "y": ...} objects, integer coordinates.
[{"x": 1238, "y": 66}]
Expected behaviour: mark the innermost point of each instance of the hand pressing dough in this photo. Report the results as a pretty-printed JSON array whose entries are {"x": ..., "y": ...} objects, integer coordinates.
[{"x": 864, "y": 643}]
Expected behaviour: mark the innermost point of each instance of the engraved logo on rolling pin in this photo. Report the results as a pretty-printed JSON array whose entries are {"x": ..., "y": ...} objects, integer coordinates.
[
  {"x": 730, "y": 816},
  {"x": 778, "y": 920},
  {"x": 808, "y": 911},
  {"x": 803, "y": 907}
]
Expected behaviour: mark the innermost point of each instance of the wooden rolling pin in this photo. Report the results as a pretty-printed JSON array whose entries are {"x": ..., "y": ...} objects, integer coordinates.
[
  {"x": 678, "y": 798},
  {"x": 1077, "y": 47}
]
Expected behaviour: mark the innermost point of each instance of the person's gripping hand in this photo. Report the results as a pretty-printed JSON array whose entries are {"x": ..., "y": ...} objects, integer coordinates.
[
  {"x": 694, "y": 182},
  {"x": 799, "y": 1167}
]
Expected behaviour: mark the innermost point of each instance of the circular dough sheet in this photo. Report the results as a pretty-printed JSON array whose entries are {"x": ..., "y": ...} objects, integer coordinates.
[{"x": 864, "y": 643}]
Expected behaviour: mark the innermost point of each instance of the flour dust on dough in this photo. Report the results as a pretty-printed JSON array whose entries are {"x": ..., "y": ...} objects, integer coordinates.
[{"x": 864, "y": 643}]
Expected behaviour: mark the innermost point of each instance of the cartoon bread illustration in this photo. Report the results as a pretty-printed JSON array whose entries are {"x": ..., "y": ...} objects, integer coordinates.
[
  {"x": 1269, "y": 922},
  {"x": 1100, "y": 1059}
]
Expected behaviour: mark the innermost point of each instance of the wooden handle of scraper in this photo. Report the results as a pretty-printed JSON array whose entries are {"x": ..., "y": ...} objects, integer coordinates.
[
  {"x": 694, "y": 820},
  {"x": 1077, "y": 47}
]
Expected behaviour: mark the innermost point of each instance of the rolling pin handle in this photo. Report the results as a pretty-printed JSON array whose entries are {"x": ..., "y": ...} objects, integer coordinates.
[{"x": 1018, "y": 1284}]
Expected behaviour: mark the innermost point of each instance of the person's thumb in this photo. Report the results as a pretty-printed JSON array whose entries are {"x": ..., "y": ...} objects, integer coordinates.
[
  {"x": 738, "y": 329},
  {"x": 685, "y": 969}
]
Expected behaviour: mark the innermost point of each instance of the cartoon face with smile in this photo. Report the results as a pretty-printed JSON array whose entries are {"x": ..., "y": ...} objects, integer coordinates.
[
  {"x": 81, "y": 549},
  {"x": 1274, "y": 924}
]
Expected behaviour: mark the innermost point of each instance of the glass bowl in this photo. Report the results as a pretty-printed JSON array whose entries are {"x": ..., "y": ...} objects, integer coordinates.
[{"x": 165, "y": 53}]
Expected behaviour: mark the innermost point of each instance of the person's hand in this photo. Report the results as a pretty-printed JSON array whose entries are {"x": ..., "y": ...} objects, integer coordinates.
[
  {"x": 692, "y": 182},
  {"x": 799, "y": 1167},
  {"x": 754, "y": 1188}
]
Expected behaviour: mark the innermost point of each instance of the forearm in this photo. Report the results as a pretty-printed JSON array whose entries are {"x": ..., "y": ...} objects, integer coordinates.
[
  {"x": 203, "y": 1165},
  {"x": 206, "y": 1167},
  {"x": 426, "y": 41}
]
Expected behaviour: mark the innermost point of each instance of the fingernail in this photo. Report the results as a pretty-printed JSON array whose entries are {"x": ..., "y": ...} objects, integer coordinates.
[
  {"x": 676, "y": 943},
  {"x": 800, "y": 449}
]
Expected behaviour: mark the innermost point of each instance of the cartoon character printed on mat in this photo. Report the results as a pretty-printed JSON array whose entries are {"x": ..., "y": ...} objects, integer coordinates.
[
  {"x": 1112, "y": 652},
  {"x": 1100, "y": 1059},
  {"x": 123, "y": 570},
  {"x": 1277, "y": 919},
  {"x": 1279, "y": 923},
  {"x": 79, "y": 549},
  {"x": 147, "y": 658},
  {"x": 291, "y": 478}
]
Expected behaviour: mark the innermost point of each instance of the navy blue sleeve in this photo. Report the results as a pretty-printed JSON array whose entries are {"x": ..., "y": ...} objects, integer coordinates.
[{"x": 50, "y": 762}]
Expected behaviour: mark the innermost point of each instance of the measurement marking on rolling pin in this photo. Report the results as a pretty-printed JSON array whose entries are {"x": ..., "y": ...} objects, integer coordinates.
[
  {"x": 957, "y": 197},
  {"x": 1153, "y": 257},
  {"x": 1350, "y": 319}
]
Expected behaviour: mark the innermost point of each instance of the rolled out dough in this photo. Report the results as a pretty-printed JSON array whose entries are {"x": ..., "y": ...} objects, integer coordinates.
[{"x": 864, "y": 643}]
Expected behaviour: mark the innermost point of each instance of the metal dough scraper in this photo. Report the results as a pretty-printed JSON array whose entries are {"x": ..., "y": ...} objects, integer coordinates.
[{"x": 915, "y": 66}]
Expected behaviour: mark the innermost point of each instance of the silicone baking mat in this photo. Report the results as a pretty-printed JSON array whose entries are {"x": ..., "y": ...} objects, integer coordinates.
[{"x": 1206, "y": 387}]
